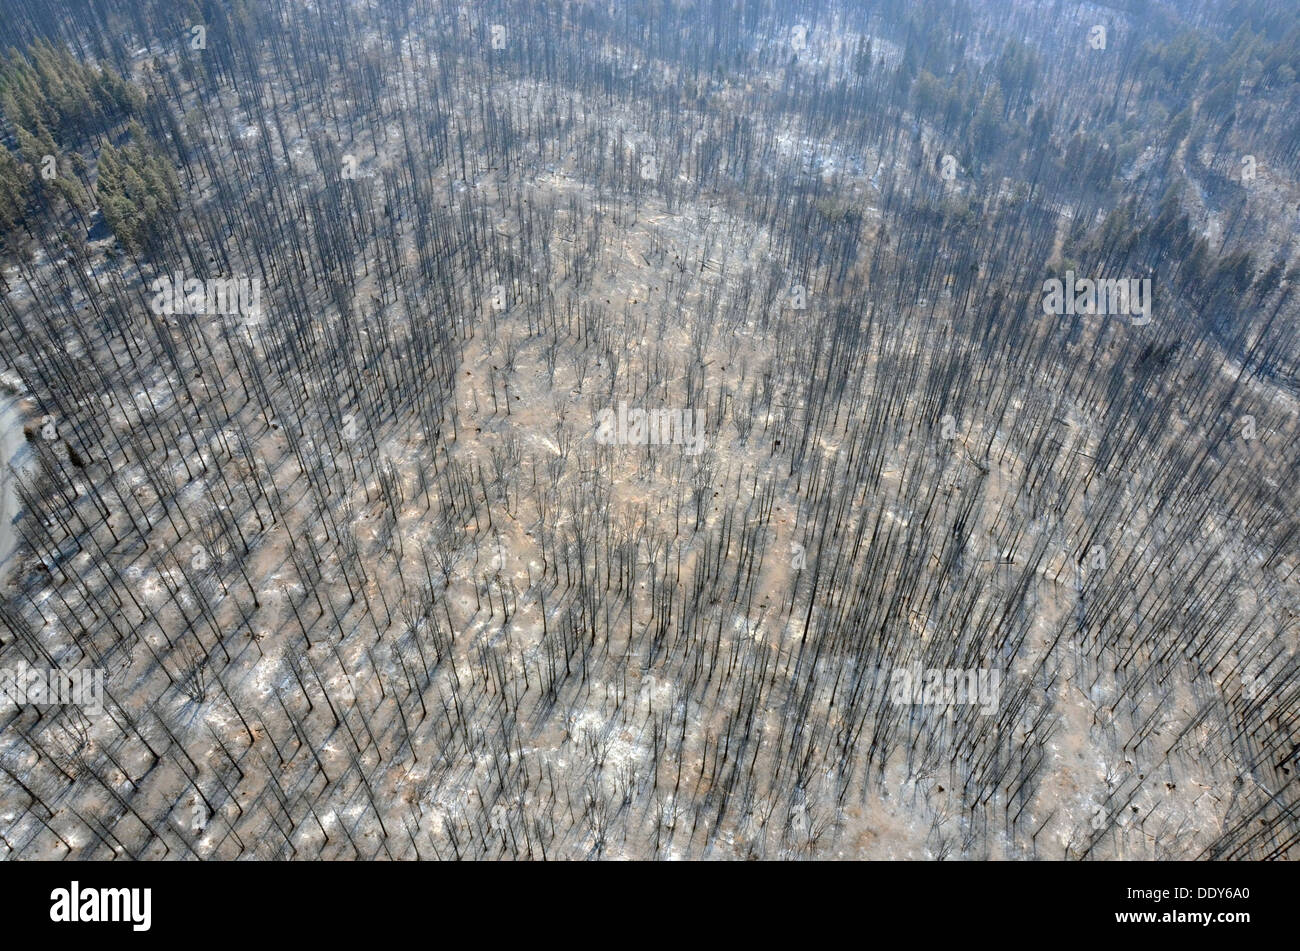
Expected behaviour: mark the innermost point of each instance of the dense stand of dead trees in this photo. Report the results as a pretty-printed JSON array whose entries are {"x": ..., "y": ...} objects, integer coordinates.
[{"x": 366, "y": 586}]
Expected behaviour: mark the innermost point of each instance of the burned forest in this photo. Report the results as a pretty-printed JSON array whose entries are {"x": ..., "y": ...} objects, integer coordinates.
[{"x": 747, "y": 429}]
